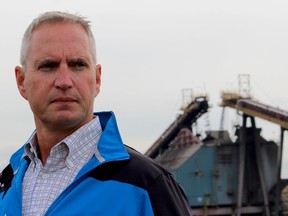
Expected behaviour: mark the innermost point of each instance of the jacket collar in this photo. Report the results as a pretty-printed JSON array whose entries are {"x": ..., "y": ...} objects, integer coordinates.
[{"x": 110, "y": 146}]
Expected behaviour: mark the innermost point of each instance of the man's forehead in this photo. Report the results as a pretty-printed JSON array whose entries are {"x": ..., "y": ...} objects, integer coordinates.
[{"x": 53, "y": 40}]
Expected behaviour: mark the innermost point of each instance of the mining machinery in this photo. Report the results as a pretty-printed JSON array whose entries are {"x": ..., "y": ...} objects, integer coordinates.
[{"x": 222, "y": 176}]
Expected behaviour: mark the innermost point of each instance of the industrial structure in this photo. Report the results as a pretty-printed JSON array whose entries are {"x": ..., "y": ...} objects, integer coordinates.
[{"x": 222, "y": 176}]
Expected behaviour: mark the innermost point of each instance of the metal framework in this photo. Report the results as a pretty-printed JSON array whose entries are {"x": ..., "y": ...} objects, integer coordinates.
[{"x": 251, "y": 108}]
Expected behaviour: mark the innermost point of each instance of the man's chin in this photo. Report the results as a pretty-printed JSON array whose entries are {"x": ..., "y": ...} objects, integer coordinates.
[{"x": 69, "y": 121}]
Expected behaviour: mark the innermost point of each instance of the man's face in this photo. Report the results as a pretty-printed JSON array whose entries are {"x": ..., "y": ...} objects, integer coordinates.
[{"x": 60, "y": 79}]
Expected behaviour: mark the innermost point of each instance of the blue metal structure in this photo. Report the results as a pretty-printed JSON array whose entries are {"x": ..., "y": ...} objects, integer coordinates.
[{"x": 221, "y": 176}]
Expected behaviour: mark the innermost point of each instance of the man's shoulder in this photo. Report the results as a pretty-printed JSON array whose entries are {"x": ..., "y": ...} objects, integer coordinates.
[
  {"x": 145, "y": 164},
  {"x": 7, "y": 174},
  {"x": 139, "y": 170}
]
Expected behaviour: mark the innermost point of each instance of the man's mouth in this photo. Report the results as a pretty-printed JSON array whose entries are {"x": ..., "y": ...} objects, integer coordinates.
[{"x": 64, "y": 100}]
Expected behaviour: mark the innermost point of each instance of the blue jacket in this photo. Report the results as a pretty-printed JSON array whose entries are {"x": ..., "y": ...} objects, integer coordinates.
[{"x": 123, "y": 182}]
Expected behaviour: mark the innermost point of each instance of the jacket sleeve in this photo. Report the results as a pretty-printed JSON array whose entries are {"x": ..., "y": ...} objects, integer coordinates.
[{"x": 168, "y": 198}]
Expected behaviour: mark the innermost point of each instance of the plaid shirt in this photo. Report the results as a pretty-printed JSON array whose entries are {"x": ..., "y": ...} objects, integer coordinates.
[{"x": 43, "y": 184}]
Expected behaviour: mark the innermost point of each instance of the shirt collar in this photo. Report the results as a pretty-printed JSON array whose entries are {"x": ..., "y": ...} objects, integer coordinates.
[
  {"x": 80, "y": 145},
  {"x": 31, "y": 149}
]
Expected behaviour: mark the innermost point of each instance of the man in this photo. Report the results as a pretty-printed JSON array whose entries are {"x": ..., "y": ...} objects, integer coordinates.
[{"x": 75, "y": 162}]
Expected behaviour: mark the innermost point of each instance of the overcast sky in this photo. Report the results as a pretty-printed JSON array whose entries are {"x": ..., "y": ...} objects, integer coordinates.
[{"x": 149, "y": 51}]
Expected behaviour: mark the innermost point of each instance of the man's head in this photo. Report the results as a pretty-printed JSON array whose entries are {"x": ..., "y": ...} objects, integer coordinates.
[
  {"x": 54, "y": 17},
  {"x": 59, "y": 76}
]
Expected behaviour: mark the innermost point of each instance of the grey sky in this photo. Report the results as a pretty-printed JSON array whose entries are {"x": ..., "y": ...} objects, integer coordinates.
[{"x": 150, "y": 50}]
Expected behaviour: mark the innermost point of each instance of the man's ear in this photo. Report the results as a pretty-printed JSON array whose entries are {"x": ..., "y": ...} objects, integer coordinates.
[
  {"x": 98, "y": 78},
  {"x": 20, "y": 77}
]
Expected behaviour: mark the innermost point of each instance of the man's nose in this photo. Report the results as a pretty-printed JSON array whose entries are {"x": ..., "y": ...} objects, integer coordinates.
[{"x": 63, "y": 78}]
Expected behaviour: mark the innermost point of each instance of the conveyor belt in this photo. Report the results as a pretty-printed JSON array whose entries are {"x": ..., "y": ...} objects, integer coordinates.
[
  {"x": 191, "y": 113},
  {"x": 256, "y": 109}
]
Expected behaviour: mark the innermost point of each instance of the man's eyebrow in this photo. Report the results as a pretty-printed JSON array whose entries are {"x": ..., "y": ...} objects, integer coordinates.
[
  {"x": 47, "y": 61},
  {"x": 77, "y": 59}
]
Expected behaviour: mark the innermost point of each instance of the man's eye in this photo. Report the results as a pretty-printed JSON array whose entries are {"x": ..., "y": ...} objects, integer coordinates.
[
  {"x": 46, "y": 66},
  {"x": 78, "y": 65}
]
